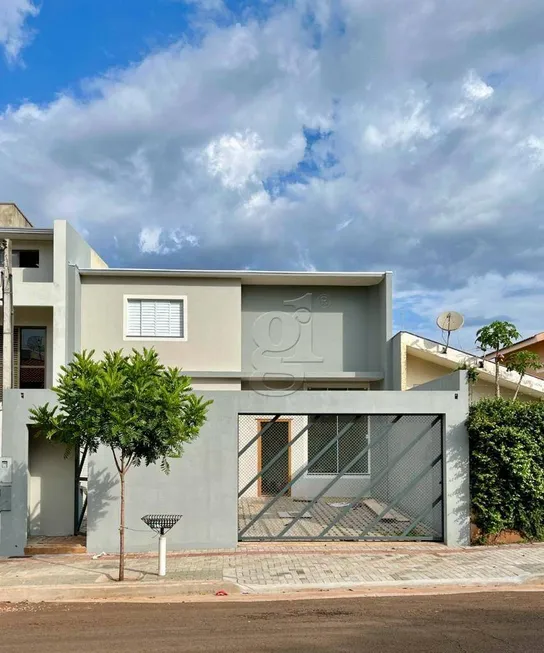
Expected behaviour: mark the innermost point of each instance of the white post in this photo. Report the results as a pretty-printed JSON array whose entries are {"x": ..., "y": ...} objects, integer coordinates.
[{"x": 162, "y": 554}]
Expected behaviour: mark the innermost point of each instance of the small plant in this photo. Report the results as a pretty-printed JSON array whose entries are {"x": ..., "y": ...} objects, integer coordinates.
[
  {"x": 133, "y": 405},
  {"x": 522, "y": 362},
  {"x": 494, "y": 337},
  {"x": 472, "y": 376}
]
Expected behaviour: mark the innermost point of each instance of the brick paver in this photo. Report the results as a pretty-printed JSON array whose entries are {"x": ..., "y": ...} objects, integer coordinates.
[{"x": 266, "y": 567}]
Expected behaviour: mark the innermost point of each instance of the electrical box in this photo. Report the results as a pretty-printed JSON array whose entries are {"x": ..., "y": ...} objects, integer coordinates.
[
  {"x": 5, "y": 471},
  {"x": 5, "y": 498}
]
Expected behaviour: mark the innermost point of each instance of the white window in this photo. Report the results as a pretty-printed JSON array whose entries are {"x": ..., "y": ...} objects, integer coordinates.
[
  {"x": 350, "y": 448},
  {"x": 154, "y": 318}
]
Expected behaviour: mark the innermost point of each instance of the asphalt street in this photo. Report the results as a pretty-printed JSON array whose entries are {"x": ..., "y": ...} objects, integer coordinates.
[{"x": 494, "y": 621}]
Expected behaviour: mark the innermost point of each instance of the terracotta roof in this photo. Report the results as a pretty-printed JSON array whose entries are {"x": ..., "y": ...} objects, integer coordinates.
[{"x": 522, "y": 344}]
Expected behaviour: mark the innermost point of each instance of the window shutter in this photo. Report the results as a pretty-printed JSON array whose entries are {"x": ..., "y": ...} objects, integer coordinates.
[
  {"x": 16, "y": 356},
  {"x": 148, "y": 319},
  {"x": 161, "y": 318},
  {"x": 134, "y": 310},
  {"x": 176, "y": 319}
]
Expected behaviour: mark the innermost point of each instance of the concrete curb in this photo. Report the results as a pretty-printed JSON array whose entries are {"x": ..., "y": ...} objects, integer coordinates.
[
  {"x": 114, "y": 590},
  {"x": 400, "y": 584},
  {"x": 206, "y": 590}
]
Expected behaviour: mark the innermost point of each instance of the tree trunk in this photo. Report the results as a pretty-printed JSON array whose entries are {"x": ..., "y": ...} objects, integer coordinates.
[
  {"x": 518, "y": 386},
  {"x": 497, "y": 384},
  {"x": 122, "y": 527}
]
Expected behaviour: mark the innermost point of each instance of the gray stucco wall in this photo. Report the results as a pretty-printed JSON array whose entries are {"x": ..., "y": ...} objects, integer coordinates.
[
  {"x": 203, "y": 484},
  {"x": 308, "y": 330},
  {"x": 456, "y": 455},
  {"x": 14, "y": 524},
  {"x": 71, "y": 251}
]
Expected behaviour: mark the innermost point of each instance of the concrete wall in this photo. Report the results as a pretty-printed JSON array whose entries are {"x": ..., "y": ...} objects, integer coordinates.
[
  {"x": 203, "y": 483},
  {"x": 420, "y": 371},
  {"x": 212, "y": 320},
  {"x": 43, "y": 273},
  {"x": 97, "y": 262},
  {"x": 50, "y": 488},
  {"x": 70, "y": 251},
  {"x": 215, "y": 384},
  {"x": 15, "y": 444},
  {"x": 202, "y": 486},
  {"x": 11, "y": 216},
  {"x": 455, "y": 458},
  {"x": 309, "y": 330}
]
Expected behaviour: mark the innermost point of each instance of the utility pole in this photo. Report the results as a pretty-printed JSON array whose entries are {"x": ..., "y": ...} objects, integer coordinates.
[{"x": 7, "y": 305}]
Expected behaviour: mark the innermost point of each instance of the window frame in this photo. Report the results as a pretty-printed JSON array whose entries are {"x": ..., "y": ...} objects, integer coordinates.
[
  {"x": 20, "y": 366},
  {"x": 337, "y": 449},
  {"x": 16, "y": 254},
  {"x": 155, "y": 298}
]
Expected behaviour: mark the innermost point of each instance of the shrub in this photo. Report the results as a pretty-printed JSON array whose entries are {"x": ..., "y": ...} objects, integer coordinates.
[{"x": 507, "y": 466}]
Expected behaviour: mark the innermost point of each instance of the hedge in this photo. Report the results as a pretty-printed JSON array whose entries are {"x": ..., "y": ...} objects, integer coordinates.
[{"x": 507, "y": 466}]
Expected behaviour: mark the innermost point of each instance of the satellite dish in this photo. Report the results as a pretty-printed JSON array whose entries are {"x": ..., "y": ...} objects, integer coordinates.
[{"x": 449, "y": 321}]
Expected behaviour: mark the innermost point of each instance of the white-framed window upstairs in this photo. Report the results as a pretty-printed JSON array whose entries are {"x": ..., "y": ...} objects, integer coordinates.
[{"x": 155, "y": 318}]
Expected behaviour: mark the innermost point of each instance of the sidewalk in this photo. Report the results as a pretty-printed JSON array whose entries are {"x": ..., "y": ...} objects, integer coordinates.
[{"x": 273, "y": 568}]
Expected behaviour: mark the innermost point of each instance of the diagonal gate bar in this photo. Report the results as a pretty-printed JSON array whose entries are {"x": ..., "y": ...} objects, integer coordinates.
[
  {"x": 394, "y": 501},
  {"x": 299, "y": 474},
  {"x": 373, "y": 441},
  {"x": 259, "y": 434},
  {"x": 344, "y": 511},
  {"x": 422, "y": 516},
  {"x": 275, "y": 459}
]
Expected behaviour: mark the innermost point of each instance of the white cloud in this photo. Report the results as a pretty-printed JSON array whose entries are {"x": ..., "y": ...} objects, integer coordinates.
[
  {"x": 154, "y": 240},
  {"x": 235, "y": 158},
  {"x": 14, "y": 35},
  {"x": 330, "y": 134},
  {"x": 475, "y": 88},
  {"x": 150, "y": 240}
]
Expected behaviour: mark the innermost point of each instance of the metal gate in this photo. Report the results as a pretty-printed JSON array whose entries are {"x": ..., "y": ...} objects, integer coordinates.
[{"x": 340, "y": 477}]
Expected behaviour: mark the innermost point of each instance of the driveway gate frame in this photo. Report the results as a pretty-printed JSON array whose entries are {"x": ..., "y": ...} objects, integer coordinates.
[{"x": 427, "y": 469}]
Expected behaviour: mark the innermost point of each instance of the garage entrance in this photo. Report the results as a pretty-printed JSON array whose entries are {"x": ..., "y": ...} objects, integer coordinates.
[{"x": 340, "y": 477}]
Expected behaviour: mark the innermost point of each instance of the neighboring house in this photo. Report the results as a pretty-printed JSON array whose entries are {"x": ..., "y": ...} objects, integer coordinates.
[
  {"x": 421, "y": 360},
  {"x": 534, "y": 344},
  {"x": 308, "y": 436}
]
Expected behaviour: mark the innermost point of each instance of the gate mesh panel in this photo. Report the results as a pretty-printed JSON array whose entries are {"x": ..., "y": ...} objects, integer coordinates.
[{"x": 345, "y": 477}]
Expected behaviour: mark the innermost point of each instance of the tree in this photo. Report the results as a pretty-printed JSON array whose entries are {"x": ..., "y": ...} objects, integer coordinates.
[
  {"x": 494, "y": 337},
  {"x": 522, "y": 362},
  {"x": 132, "y": 404}
]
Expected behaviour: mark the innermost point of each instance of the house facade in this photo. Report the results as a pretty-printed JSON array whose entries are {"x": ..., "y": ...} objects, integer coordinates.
[
  {"x": 421, "y": 360},
  {"x": 308, "y": 438},
  {"x": 534, "y": 344}
]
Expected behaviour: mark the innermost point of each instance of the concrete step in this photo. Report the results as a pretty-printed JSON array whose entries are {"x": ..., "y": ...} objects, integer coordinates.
[{"x": 55, "y": 545}]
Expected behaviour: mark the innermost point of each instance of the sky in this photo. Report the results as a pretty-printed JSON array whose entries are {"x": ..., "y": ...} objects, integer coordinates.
[{"x": 403, "y": 135}]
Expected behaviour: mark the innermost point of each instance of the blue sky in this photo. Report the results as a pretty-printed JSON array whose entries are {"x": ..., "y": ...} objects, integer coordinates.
[{"x": 302, "y": 134}]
